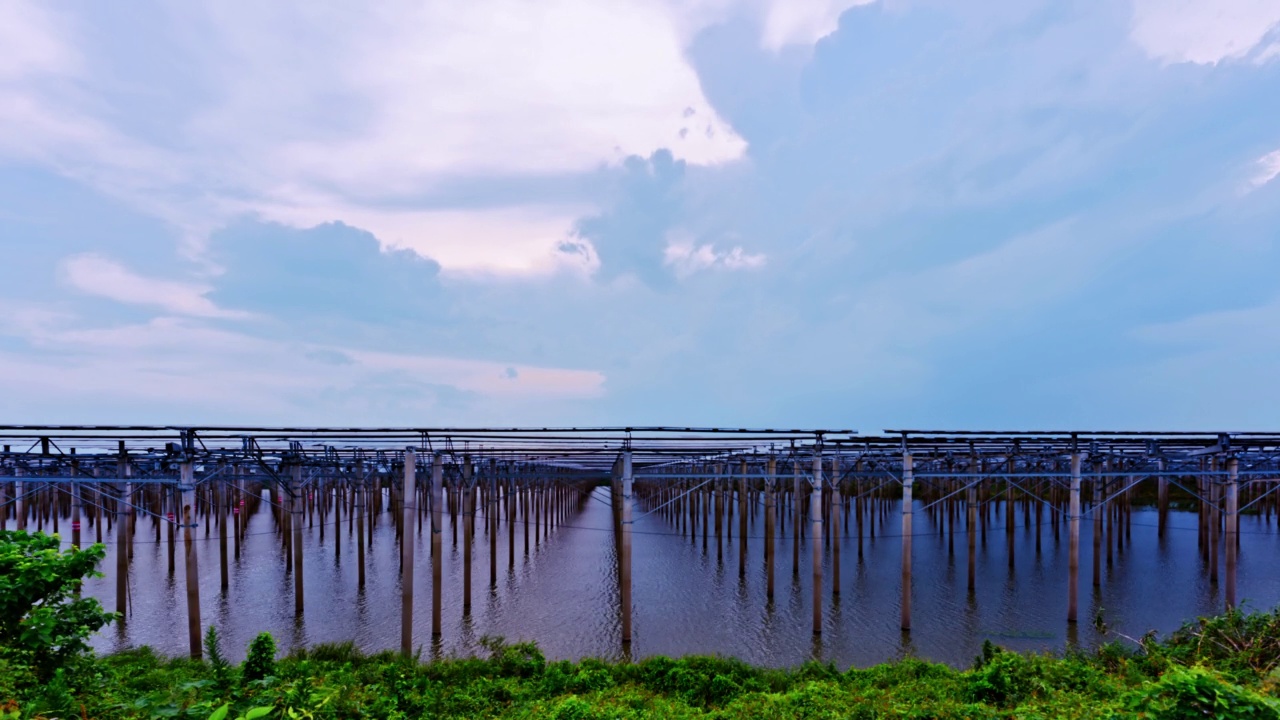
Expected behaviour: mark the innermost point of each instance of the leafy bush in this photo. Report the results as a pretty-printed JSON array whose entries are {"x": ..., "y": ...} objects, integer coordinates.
[
  {"x": 592, "y": 676},
  {"x": 1003, "y": 679},
  {"x": 521, "y": 660},
  {"x": 55, "y": 696},
  {"x": 1234, "y": 642},
  {"x": 573, "y": 708},
  {"x": 42, "y": 622},
  {"x": 260, "y": 662},
  {"x": 1195, "y": 693}
]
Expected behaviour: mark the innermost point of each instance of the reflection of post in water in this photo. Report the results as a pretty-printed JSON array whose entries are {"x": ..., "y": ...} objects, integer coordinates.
[
  {"x": 1073, "y": 558},
  {"x": 196, "y": 482},
  {"x": 123, "y": 515},
  {"x": 1232, "y": 528},
  {"x": 859, "y": 505},
  {"x": 816, "y": 648},
  {"x": 1098, "y": 509},
  {"x": 361, "y": 509},
  {"x": 1009, "y": 511},
  {"x": 742, "y": 520},
  {"x": 815, "y": 537},
  {"x": 339, "y": 498},
  {"x": 296, "y": 499},
  {"x": 187, "y": 487},
  {"x": 624, "y": 558},
  {"x": 971, "y": 495},
  {"x": 437, "y": 491},
  {"x": 706, "y": 515},
  {"x": 837, "y": 511},
  {"x": 718, "y": 489},
  {"x": 219, "y": 509},
  {"x": 1214, "y": 486},
  {"x": 409, "y": 502},
  {"x": 908, "y": 479},
  {"x": 769, "y": 509},
  {"x": 509, "y": 495},
  {"x": 795, "y": 523},
  {"x": 468, "y": 531}
]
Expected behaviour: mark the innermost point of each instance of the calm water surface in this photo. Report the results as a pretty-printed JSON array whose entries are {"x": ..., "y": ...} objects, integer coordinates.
[{"x": 564, "y": 594}]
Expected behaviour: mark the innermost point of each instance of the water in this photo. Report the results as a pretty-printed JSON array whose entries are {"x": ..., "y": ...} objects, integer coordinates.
[{"x": 564, "y": 595}]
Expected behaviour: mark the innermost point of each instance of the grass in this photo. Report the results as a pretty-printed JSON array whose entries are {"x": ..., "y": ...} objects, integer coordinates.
[{"x": 1219, "y": 667}]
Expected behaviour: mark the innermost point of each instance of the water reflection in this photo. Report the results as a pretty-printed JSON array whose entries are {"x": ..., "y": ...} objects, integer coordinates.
[{"x": 564, "y": 594}]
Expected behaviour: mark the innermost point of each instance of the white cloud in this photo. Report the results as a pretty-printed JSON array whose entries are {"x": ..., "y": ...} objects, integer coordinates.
[
  {"x": 513, "y": 239},
  {"x": 802, "y": 22},
  {"x": 343, "y": 111},
  {"x": 50, "y": 117},
  {"x": 1268, "y": 54},
  {"x": 687, "y": 257},
  {"x": 97, "y": 275},
  {"x": 1268, "y": 168},
  {"x": 782, "y": 23},
  {"x": 370, "y": 108},
  {"x": 492, "y": 87},
  {"x": 1203, "y": 31}
]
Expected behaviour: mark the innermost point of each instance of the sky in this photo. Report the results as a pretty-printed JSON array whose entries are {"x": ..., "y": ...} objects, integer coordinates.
[{"x": 849, "y": 214}]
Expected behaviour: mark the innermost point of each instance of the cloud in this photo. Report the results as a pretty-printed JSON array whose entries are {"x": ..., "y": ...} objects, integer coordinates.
[
  {"x": 328, "y": 272},
  {"x": 304, "y": 115},
  {"x": 1203, "y": 31},
  {"x": 97, "y": 275},
  {"x": 631, "y": 236},
  {"x": 1268, "y": 54},
  {"x": 1268, "y": 168},
  {"x": 948, "y": 203},
  {"x": 687, "y": 258},
  {"x": 503, "y": 87},
  {"x": 292, "y": 112},
  {"x": 513, "y": 240},
  {"x": 791, "y": 22}
]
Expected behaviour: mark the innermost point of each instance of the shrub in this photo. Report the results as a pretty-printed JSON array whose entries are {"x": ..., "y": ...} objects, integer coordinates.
[
  {"x": 343, "y": 652},
  {"x": 592, "y": 676},
  {"x": 1233, "y": 642},
  {"x": 1002, "y": 678},
  {"x": 573, "y": 708},
  {"x": 42, "y": 622},
  {"x": 261, "y": 660},
  {"x": 217, "y": 663},
  {"x": 520, "y": 660},
  {"x": 1196, "y": 692}
]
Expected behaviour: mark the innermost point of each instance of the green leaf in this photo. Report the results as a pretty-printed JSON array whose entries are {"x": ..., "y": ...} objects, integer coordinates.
[{"x": 220, "y": 713}]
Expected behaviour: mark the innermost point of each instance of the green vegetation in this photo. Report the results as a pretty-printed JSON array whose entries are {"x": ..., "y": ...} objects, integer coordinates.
[
  {"x": 43, "y": 623},
  {"x": 1222, "y": 667}
]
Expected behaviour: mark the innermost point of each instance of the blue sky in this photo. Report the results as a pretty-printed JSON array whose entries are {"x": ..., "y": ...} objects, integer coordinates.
[{"x": 1058, "y": 214}]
